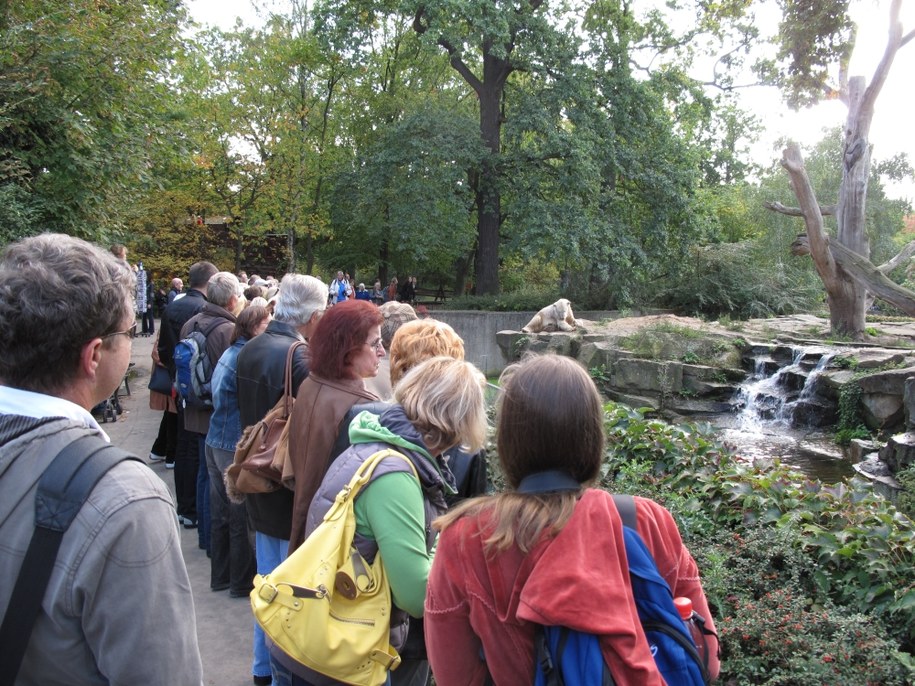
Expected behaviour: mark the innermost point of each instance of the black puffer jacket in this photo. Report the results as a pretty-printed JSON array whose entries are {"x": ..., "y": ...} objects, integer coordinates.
[{"x": 261, "y": 371}]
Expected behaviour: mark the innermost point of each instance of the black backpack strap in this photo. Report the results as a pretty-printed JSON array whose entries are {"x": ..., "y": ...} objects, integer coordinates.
[
  {"x": 625, "y": 505},
  {"x": 62, "y": 490}
]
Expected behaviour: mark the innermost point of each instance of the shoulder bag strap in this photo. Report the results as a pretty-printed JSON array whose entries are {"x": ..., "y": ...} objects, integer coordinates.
[
  {"x": 62, "y": 490},
  {"x": 362, "y": 477},
  {"x": 625, "y": 505},
  {"x": 287, "y": 379}
]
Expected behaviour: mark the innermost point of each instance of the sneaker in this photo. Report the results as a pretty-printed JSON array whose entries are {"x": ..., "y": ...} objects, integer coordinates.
[
  {"x": 156, "y": 458},
  {"x": 263, "y": 680},
  {"x": 169, "y": 465}
]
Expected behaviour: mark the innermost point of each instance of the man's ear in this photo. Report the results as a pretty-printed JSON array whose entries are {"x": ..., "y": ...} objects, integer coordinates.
[{"x": 89, "y": 358}]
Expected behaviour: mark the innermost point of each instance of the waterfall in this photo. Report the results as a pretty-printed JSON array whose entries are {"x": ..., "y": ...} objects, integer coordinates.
[
  {"x": 778, "y": 411},
  {"x": 771, "y": 397}
]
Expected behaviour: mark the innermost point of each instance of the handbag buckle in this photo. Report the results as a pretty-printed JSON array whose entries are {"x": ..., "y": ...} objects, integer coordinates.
[{"x": 267, "y": 593}]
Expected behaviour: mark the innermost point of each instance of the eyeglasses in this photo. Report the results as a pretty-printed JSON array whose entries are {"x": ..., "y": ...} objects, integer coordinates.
[
  {"x": 376, "y": 344},
  {"x": 130, "y": 333}
]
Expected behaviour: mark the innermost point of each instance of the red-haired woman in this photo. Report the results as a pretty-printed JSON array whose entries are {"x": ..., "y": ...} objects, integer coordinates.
[{"x": 344, "y": 350}]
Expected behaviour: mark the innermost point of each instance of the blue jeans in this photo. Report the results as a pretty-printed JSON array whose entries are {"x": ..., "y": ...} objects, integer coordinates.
[{"x": 269, "y": 552}]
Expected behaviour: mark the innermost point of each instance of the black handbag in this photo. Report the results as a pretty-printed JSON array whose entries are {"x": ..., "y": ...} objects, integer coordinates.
[{"x": 160, "y": 380}]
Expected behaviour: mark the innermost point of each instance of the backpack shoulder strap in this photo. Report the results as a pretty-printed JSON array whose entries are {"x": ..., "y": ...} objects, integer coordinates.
[
  {"x": 625, "y": 505},
  {"x": 62, "y": 490}
]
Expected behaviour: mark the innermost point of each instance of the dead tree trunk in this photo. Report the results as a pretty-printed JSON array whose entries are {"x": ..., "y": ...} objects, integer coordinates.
[{"x": 847, "y": 280}]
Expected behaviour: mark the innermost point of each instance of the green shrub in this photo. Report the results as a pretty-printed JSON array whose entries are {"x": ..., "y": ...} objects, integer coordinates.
[
  {"x": 781, "y": 639},
  {"x": 906, "y": 498},
  {"x": 532, "y": 299},
  {"x": 861, "y": 549},
  {"x": 731, "y": 279}
]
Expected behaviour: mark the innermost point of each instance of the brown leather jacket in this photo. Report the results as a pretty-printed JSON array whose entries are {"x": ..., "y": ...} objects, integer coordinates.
[{"x": 320, "y": 406}]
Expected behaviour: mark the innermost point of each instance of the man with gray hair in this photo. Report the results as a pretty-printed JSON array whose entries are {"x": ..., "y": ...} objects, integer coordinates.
[
  {"x": 260, "y": 376},
  {"x": 66, "y": 322},
  {"x": 217, "y": 323}
]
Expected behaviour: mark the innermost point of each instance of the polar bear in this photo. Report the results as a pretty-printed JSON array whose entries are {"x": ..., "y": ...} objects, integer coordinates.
[{"x": 555, "y": 317}]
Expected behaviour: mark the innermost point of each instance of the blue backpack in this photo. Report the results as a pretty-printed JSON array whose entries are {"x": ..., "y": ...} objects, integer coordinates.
[
  {"x": 565, "y": 657},
  {"x": 194, "y": 368}
]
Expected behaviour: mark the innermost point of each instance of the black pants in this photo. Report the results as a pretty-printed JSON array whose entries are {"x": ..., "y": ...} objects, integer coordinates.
[
  {"x": 166, "y": 442},
  {"x": 187, "y": 462},
  {"x": 232, "y": 563},
  {"x": 149, "y": 322}
]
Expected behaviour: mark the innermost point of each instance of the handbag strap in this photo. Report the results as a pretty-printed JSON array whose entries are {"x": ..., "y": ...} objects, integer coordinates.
[
  {"x": 287, "y": 379},
  {"x": 362, "y": 476}
]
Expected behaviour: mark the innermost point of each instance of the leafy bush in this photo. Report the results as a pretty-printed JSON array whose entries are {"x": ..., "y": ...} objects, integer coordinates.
[
  {"x": 781, "y": 639},
  {"x": 521, "y": 301},
  {"x": 731, "y": 279},
  {"x": 836, "y": 548},
  {"x": 906, "y": 499}
]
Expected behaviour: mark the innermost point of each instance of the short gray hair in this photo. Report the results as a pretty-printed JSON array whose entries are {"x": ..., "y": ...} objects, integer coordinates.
[
  {"x": 57, "y": 293},
  {"x": 221, "y": 287},
  {"x": 300, "y": 297}
]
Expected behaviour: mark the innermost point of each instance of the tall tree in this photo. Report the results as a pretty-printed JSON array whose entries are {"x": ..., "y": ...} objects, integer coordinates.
[
  {"x": 85, "y": 99},
  {"x": 814, "y": 34},
  {"x": 488, "y": 34}
]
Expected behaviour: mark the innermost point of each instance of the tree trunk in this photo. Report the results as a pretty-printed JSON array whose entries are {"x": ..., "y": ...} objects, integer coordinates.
[
  {"x": 871, "y": 277},
  {"x": 489, "y": 199},
  {"x": 847, "y": 280}
]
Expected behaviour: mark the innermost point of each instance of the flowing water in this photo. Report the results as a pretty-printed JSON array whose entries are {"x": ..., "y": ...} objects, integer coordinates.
[{"x": 765, "y": 427}]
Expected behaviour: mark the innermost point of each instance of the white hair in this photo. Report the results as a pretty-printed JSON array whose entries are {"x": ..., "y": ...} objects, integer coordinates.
[{"x": 300, "y": 297}]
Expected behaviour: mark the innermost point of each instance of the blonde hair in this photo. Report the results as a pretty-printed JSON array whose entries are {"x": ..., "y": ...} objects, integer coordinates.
[
  {"x": 550, "y": 417},
  {"x": 419, "y": 340},
  {"x": 443, "y": 398}
]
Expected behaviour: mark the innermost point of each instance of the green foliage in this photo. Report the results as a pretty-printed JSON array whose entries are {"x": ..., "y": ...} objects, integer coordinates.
[
  {"x": 851, "y": 423},
  {"x": 519, "y": 301},
  {"x": 813, "y": 35},
  {"x": 731, "y": 279},
  {"x": 86, "y": 110},
  {"x": 856, "y": 550},
  {"x": 906, "y": 499},
  {"x": 600, "y": 374}
]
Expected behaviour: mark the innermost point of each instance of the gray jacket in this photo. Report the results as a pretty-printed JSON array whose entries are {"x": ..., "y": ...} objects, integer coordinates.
[{"x": 118, "y": 608}]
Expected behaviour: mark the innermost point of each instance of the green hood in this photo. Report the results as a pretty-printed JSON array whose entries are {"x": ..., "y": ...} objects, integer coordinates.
[{"x": 365, "y": 428}]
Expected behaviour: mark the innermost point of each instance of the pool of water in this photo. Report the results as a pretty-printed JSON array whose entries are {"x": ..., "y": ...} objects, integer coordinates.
[{"x": 811, "y": 452}]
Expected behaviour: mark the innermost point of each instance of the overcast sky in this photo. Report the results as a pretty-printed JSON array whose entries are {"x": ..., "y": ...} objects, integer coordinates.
[{"x": 894, "y": 120}]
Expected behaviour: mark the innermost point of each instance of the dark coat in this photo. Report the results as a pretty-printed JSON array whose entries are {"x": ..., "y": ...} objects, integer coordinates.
[{"x": 261, "y": 368}]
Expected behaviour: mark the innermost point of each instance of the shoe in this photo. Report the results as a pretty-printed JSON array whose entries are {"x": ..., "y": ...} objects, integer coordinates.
[
  {"x": 263, "y": 680},
  {"x": 187, "y": 522},
  {"x": 235, "y": 593},
  {"x": 169, "y": 465},
  {"x": 219, "y": 587},
  {"x": 156, "y": 458}
]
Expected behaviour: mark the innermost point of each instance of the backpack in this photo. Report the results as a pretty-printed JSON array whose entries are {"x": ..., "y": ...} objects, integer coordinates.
[
  {"x": 194, "y": 368},
  {"x": 565, "y": 657},
  {"x": 62, "y": 489}
]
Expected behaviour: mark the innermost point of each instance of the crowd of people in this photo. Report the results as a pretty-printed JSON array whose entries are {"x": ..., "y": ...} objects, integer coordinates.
[{"x": 471, "y": 573}]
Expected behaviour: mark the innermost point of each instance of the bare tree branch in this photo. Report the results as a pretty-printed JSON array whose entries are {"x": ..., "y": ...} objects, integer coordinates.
[
  {"x": 898, "y": 259},
  {"x": 793, "y": 162},
  {"x": 880, "y": 73},
  {"x": 825, "y": 210}
]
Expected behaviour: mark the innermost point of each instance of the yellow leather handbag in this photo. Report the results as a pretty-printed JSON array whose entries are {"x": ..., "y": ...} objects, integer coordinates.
[{"x": 324, "y": 606}]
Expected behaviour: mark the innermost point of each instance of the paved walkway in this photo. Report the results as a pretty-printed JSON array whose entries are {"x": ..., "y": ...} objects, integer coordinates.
[{"x": 224, "y": 624}]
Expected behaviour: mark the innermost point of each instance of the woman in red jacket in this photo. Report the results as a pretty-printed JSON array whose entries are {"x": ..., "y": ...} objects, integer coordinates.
[{"x": 508, "y": 563}]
